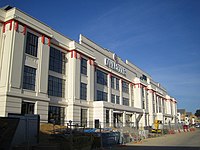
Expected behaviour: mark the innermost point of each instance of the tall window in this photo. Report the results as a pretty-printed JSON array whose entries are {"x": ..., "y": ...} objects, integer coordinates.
[
  {"x": 125, "y": 101},
  {"x": 143, "y": 104},
  {"x": 83, "y": 66},
  {"x": 132, "y": 99},
  {"x": 117, "y": 99},
  {"x": 101, "y": 77},
  {"x": 112, "y": 82},
  {"x": 112, "y": 98},
  {"x": 56, "y": 114},
  {"x": 83, "y": 91},
  {"x": 153, "y": 103},
  {"x": 117, "y": 84},
  {"x": 125, "y": 87},
  {"x": 57, "y": 61},
  {"x": 107, "y": 116},
  {"x": 27, "y": 108},
  {"x": 56, "y": 87},
  {"x": 102, "y": 96},
  {"x": 31, "y": 44},
  {"x": 29, "y": 78},
  {"x": 143, "y": 92},
  {"x": 84, "y": 117}
]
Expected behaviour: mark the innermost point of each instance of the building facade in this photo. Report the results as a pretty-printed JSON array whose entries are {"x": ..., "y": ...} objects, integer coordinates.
[{"x": 43, "y": 72}]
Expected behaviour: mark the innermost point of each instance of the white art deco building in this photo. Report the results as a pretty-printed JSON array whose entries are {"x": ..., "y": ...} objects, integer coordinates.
[{"x": 43, "y": 72}]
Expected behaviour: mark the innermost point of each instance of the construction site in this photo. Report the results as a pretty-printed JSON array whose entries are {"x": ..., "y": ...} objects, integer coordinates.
[{"x": 26, "y": 133}]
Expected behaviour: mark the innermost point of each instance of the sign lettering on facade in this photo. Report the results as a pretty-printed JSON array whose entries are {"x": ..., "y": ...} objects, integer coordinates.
[{"x": 115, "y": 66}]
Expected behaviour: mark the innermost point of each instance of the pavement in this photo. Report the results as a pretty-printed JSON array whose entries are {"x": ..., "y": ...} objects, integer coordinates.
[{"x": 177, "y": 141}]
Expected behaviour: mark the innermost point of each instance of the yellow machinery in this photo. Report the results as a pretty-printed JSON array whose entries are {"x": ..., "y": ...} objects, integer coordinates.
[{"x": 157, "y": 126}]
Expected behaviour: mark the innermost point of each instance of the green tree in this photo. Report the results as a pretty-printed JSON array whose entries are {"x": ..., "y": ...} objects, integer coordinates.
[{"x": 197, "y": 113}]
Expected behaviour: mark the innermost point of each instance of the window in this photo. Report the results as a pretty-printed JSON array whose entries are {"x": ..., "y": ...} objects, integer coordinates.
[
  {"x": 31, "y": 44},
  {"x": 84, "y": 117},
  {"x": 57, "y": 61},
  {"x": 117, "y": 99},
  {"x": 101, "y": 77},
  {"x": 56, "y": 115},
  {"x": 117, "y": 84},
  {"x": 56, "y": 87},
  {"x": 113, "y": 98},
  {"x": 143, "y": 104},
  {"x": 132, "y": 99},
  {"x": 102, "y": 96},
  {"x": 153, "y": 103},
  {"x": 29, "y": 78},
  {"x": 83, "y": 91},
  {"x": 142, "y": 92},
  {"x": 83, "y": 66},
  {"x": 112, "y": 82},
  {"x": 125, "y": 87},
  {"x": 125, "y": 101},
  {"x": 27, "y": 108},
  {"x": 107, "y": 116}
]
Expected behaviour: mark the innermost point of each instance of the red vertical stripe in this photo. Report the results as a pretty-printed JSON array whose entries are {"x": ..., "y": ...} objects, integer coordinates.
[
  {"x": 24, "y": 32},
  {"x": 4, "y": 27},
  {"x": 49, "y": 41},
  {"x": 71, "y": 54},
  {"x": 75, "y": 54},
  {"x": 16, "y": 26},
  {"x": 43, "y": 38},
  {"x": 11, "y": 24}
]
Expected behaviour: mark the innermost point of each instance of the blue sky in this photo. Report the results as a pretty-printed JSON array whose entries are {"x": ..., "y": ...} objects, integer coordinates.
[{"x": 162, "y": 37}]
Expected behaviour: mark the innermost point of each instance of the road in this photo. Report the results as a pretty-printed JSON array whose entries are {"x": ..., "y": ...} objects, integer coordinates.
[{"x": 178, "y": 141}]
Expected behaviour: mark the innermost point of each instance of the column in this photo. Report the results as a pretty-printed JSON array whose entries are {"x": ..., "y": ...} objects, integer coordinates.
[
  {"x": 130, "y": 94},
  {"x": 111, "y": 118},
  {"x": 124, "y": 118},
  {"x": 109, "y": 87},
  {"x": 120, "y": 90},
  {"x": 43, "y": 65},
  {"x": 91, "y": 88}
]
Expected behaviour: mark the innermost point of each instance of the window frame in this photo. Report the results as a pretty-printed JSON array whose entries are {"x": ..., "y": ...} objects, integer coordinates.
[
  {"x": 84, "y": 66},
  {"x": 27, "y": 108},
  {"x": 55, "y": 83},
  {"x": 31, "y": 44},
  {"x": 112, "y": 100},
  {"x": 125, "y": 101},
  {"x": 57, "y": 60},
  {"x": 125, "y": 87},
  {"x": 101, "y": 77},
  {"x": 58, "y": 115},
  {"x": 83, "y": 91},
  {"x": 102, "y": 96},
  {"x": 29, "y": 78}
]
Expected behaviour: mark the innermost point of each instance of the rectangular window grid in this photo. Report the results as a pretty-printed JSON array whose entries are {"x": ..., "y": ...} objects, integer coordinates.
[
  {"x": 112, "y": 82},
  {"x": 113, "y": 98},
  {"x": 56, "y": 87},
  {"x": 125, "y": 101},
  {"x": 101, "y": 77},
  {"x": 29, "y": 78},
  {"x": 117, "y": 84},
  {"x": 102, "y": 96},
  {"x": 125, "y": 87},
  {"x": 84, "y": 117},
  {"x": 27, "y": 108},
  {"x": 83, "y": 66},
  {"x": 107, "y": 116},
  {"x": 31, "y": 44},
  {"x": 83, "y": 91},
  {"x": 57, "y": 61},
  {"x": 56, "y": 115},
  {"x": 117, "y": 99}
]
